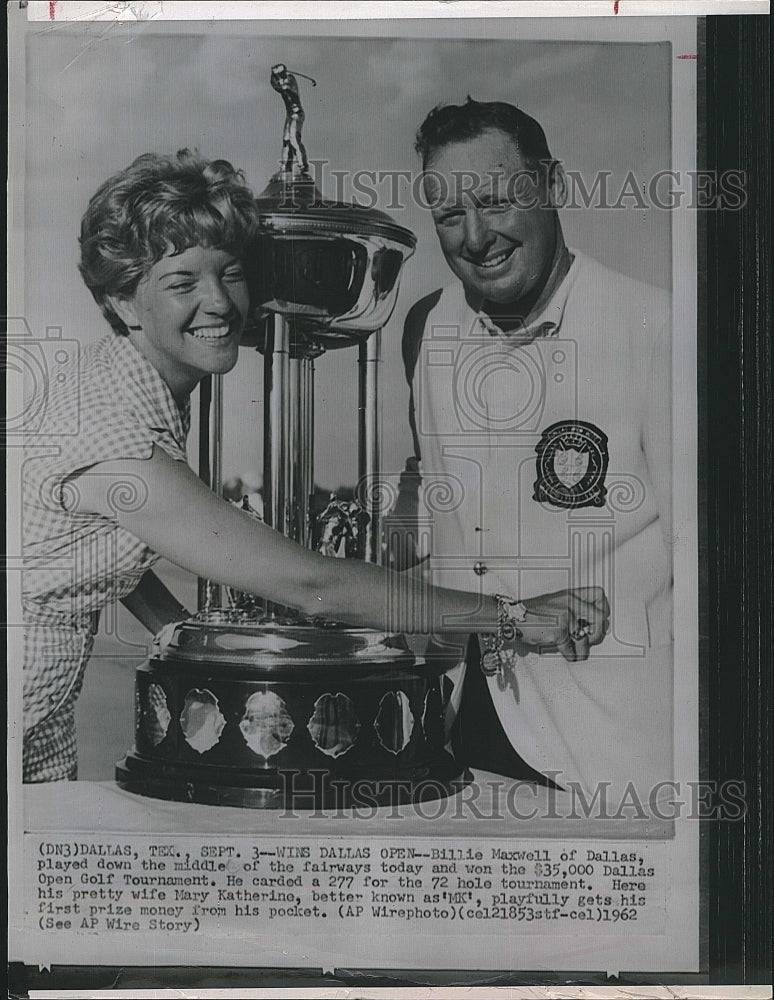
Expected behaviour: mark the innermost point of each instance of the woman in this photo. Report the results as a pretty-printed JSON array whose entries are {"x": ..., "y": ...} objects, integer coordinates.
[{"x": 162, "y": 244}]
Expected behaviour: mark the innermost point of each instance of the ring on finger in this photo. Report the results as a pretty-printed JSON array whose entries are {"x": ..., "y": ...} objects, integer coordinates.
[{"x": 581, "y": 630}]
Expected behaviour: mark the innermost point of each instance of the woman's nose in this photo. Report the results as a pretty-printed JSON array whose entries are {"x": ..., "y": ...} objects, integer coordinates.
[{"x": 216, "y": 299}]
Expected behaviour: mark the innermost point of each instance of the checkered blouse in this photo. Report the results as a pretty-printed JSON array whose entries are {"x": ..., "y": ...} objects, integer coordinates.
[{"x": 109, "y": 404}]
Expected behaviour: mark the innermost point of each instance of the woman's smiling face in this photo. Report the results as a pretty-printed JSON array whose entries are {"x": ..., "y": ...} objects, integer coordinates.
[{"x": 187, "y": 314}]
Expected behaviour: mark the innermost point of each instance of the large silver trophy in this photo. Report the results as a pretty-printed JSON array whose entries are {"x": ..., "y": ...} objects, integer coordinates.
[{"x": 245, "y": 703}]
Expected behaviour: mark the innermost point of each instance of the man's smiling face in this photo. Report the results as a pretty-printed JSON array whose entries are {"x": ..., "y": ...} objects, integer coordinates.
[{"x": 497, "y": 229}]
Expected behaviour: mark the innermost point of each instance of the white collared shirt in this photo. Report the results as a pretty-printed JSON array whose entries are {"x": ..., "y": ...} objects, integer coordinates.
[{"x": 504, "y": 519}]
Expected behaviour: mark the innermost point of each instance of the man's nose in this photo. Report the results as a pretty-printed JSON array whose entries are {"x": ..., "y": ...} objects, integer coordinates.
[{"x": 475, "y": 231}]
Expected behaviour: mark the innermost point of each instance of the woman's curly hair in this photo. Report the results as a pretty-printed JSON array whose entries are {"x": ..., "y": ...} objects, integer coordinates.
[{"x": 156, "y": 206}]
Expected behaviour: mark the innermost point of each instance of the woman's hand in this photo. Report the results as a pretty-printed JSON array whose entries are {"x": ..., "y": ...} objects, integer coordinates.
[{"x": 568, "y": 620}]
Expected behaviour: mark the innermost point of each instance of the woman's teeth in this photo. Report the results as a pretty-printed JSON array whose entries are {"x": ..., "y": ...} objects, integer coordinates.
[{"x": 210, "y": 332}]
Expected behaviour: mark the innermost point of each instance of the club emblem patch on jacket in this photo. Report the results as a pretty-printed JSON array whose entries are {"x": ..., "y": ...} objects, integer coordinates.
[{"x": 571, "y": 465}]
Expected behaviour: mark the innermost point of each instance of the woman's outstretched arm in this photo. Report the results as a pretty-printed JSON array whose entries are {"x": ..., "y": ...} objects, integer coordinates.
[{"x": 184, "y": 521}]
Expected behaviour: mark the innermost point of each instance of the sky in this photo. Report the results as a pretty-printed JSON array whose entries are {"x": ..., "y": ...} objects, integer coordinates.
[{"x": 99, "y": 95}]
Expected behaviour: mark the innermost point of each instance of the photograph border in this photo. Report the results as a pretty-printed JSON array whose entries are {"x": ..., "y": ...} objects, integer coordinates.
[{"x": 735, "y": 475}]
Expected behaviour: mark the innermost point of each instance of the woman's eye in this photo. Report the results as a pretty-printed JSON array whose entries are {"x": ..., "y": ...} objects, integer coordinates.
[
  {"x": 182, "y": 286},
  {"x": 234, "y": 274}
]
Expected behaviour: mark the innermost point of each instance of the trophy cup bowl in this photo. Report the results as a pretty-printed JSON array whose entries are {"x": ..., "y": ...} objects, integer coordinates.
[{"x": 331, "y": 268}]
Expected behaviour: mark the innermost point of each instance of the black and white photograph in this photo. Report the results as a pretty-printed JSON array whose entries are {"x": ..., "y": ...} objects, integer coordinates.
[{"x": 353, "y": 509}]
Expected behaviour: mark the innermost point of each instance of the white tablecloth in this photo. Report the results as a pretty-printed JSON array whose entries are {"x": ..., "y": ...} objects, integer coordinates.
[{"x": 492, "y": 806}]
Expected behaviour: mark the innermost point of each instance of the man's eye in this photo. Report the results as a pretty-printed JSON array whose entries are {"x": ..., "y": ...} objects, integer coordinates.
[
  {"x": 234, "y": 274},
  {"x": 182, "y": 286},
  {"x": 449, "y": 218}
]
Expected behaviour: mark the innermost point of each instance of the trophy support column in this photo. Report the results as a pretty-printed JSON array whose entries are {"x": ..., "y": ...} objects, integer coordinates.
[
  {"x": 210, "y": 463},
  {"x": 288, "y": 448},
  {"x": 277, "y": 471},
  {"x": 305, "y": 452},
  {"x": 369, "y": 487}
]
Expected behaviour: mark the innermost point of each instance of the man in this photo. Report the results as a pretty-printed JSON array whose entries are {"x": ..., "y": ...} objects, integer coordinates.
[{"x": 540, "y": 408}]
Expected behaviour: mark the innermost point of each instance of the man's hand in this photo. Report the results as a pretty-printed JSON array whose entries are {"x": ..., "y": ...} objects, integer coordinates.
[{"x": 569, "y": 620}]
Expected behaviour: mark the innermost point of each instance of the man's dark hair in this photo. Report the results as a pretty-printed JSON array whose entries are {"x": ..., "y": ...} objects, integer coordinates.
[{"x": 458, "y": 122}]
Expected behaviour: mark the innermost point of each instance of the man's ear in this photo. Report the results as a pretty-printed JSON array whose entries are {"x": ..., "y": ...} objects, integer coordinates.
[
  {"x": 557, "y": 185},
  {"x": 124, "y": 308}
]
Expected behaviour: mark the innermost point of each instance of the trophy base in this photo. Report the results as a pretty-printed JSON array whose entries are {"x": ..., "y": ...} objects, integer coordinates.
[
  {"x": 268, "y": 714},
  {"x": 290, "y": 790}
]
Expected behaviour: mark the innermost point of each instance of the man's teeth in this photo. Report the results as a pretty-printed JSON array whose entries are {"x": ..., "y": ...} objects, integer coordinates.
[
  {"x": 494, "y": 261},
  {"x": 210, "y": 332}
]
